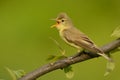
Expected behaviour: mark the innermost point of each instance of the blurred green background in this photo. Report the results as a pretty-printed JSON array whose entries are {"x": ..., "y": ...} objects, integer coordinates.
[{"x": 25, "y": 35}]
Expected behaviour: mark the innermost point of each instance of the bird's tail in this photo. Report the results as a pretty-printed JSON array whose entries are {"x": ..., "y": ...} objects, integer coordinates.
[{"x": 110, "y": 64}]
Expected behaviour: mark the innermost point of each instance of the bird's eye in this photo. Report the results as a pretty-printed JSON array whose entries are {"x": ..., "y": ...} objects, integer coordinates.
[{"x": 62, "y": 20}]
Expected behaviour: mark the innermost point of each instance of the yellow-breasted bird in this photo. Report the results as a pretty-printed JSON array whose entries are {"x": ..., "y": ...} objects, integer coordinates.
[{"x": 78, "y": 39}]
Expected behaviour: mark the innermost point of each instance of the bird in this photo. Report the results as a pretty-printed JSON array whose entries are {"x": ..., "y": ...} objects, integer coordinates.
[{"x": 76, "y": 38}]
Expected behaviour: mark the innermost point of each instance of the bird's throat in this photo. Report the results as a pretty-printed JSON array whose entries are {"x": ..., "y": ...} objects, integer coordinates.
[{"x": 61, "y": 27}]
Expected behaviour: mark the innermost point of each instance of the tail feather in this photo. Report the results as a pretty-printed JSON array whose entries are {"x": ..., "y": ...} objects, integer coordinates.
[{"x": 105, "y": 56}]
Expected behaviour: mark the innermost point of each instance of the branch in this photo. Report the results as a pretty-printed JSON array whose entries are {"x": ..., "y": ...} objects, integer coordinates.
[{"x": 79, "y": 57}]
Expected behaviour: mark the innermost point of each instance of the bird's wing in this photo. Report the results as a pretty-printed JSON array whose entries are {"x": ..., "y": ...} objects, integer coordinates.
[{"x": 80, "y": 39}]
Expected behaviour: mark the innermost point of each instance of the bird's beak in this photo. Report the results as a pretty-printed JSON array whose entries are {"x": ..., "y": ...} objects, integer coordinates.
[{"x": 53, "y": 26}]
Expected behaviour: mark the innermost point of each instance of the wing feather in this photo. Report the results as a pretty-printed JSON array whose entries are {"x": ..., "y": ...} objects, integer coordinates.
[{"x": 78, "y": 38}]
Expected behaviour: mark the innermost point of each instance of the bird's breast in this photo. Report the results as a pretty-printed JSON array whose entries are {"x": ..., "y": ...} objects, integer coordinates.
[{"x": 61, "y": 33}]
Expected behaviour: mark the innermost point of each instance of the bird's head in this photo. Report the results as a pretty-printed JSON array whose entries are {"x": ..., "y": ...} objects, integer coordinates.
[{"x": 62, "y": 21}]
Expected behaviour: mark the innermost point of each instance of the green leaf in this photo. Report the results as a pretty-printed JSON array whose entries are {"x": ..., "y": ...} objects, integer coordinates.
[
  {"x": 110, "y": 67},
  {"x": 54, "y": 58},
  {"x": 60, "y": 57},
  {"x": 116, "y": 32},
  {"x": 51, "y": 57},
  {"x": 19, "y": 73},
  {"x": 11, "y": 73},
  {"x": 15, "y": 74},
  {"x": 68, "y": 72}
]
